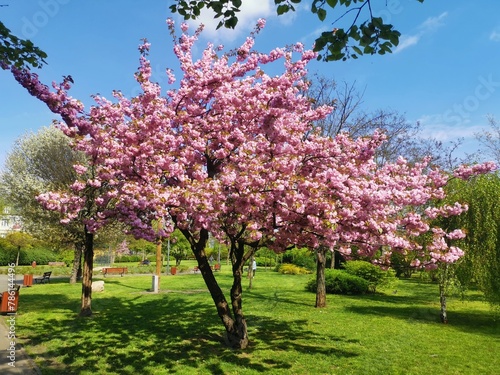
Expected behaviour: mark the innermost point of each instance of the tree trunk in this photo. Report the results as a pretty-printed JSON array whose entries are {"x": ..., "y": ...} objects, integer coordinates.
[
  {"x": 442, "y": 293},
  {"x": 236, "y": 335},
  {"x": 159, "y": 262},
  {"x": 18, "y": 254},
  {"x": 88, "y": 265},
  {"x": 239, "y": 334},
  {"x": 320, "y": 277},
  {"x": 77, "y": 263}
]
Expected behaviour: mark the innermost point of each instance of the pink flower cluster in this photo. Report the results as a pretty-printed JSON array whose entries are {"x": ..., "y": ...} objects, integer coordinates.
[{"x": 232, "y": 151}]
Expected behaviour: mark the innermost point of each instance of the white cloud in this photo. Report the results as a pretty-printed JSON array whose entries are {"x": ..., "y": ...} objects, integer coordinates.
[
  {"x": 407, "y": 41},
  {"x": 432, "y": 23},
  {"x": 436, "y": 126},
  {"x": 495, "y": 35},
  {"x": 428, "y": 26},
  {"x": 250, "y": 12}
]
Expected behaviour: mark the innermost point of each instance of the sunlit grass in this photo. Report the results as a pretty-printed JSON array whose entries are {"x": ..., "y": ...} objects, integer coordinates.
[{"x": 177, "y": 331}]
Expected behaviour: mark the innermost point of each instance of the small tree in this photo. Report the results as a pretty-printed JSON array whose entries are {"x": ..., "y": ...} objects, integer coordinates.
[{"x": 19, "y": 240}]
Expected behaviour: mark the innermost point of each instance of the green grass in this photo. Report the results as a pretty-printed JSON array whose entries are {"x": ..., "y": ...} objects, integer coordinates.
[{"x": 178, "y": 332}]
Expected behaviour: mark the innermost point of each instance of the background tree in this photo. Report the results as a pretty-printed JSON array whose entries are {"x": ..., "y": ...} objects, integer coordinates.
[
  {"x": 403, "y": 138},
  {"x": 179, "y": 247},
  {"x": 40, "y": 162},
  {"x": 19, "y": 240},
  {"x": 480, "y": 266},
  {"x": 491, "y": 139},
  {"x": 354, "y": 32},
  {"x": 141, "y": 246}
]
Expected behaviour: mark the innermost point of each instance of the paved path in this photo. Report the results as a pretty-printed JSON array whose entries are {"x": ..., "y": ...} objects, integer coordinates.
[{"x": 13, "y": 359}]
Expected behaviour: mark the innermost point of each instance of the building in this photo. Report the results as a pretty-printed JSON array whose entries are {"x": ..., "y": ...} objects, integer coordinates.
[{"x": 9, "y": 222}]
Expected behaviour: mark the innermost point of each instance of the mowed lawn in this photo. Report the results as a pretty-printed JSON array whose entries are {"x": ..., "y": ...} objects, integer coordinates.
[{"x": 396, "y": 331}]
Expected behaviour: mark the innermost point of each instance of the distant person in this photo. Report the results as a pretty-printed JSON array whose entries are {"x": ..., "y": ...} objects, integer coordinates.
[{"x": 254, "y": 267}]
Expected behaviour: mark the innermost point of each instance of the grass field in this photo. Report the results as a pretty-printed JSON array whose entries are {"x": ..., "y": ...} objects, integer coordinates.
[{"x": 396, "y": 331}]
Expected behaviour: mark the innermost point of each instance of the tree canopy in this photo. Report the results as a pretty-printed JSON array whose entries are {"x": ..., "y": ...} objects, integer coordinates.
[
  {"x": 481, "y": 264},
  {"x": 231, "y": 151},
  {"x": 364, "y": 33}
]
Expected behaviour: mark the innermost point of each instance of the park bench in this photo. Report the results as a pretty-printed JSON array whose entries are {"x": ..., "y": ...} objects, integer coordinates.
[
  {"x": 114, "y": 270},
  {"x": 44, "y": 279},
  {"x": 215, "y": 267}
]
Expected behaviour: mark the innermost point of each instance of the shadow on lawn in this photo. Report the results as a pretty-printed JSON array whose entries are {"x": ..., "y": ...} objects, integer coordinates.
[
  {"x": 417, "y": 308},
  {"x": 170, "y": 331}
]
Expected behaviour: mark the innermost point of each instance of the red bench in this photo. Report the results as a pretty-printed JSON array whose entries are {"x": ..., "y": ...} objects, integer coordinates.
[{"x": 114, "y": 271}]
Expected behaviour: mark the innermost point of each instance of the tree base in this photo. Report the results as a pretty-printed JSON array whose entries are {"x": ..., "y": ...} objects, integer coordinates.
[{"x": 235, "y": 342}]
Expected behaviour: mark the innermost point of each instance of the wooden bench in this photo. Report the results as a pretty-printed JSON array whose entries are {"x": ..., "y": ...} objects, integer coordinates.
[
  {"x": 215, "y": 267},
  {"x": 114, "y": 270},
  {"x": 44, "y": 279}
]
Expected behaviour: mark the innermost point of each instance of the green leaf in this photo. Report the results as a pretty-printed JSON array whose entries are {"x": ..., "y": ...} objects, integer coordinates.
[
  {"x": 321, "y": 14},
  {"x": 230, "y": 23},
  {"x": 394, "y": 38},
  {"x": 282, "y": 9},
  {"x": 357, "y": 50},
  {"x": 332, "y": 3}
]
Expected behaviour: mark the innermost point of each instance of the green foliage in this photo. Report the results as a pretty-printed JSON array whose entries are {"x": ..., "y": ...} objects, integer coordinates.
[
  {"x": 128, "y": 258},
  {"x": 300, "y": 257},
  {"x": 292, "y": 269},
  {"x": 371, "y": 273},
  {"x": 17, "y": 51},
  {"x": 27, "y": 256},
  {"x": 179, "y": 247},
  {"x": 340, "y": 282},
  {"x": 266, "y": 262},
  {"x": 481, "y": 264},
  {"x": 140, "y": 246},
  {"x": 401, "y": 264},
  {"x": 371, "y": 36}
]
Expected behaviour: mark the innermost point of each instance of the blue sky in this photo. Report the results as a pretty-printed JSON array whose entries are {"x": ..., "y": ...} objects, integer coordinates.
[{"x": 445, "y": 73}]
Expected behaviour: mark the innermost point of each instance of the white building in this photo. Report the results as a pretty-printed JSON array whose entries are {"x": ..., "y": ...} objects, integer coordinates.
[{"x": 9, "y": 222}]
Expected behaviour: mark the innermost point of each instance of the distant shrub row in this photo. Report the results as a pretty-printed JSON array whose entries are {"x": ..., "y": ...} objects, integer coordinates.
[{"x": 27, "y": 256}]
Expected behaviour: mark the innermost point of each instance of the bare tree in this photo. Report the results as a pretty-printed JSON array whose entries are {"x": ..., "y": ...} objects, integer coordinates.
[
  {"x": 491, "y": 139},
  {"x": 404, "y": 138}
]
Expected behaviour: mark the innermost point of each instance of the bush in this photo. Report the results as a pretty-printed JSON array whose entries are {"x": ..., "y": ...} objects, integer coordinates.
[
  {"x": 7, "y": 257},
  {"x": 300, "y": 257},
  {"x": 27, "y": 256},
  {"x": 370, "y": 272},
  {"x": 292, "y": 269},
  {"x": 340, "y": 282},
  {"x": 128, "y": 259},
  {"x": 402, "y": 265},
  {"x": 265, "y": 262}
]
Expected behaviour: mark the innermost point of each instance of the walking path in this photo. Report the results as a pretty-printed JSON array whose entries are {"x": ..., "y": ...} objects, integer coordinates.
[{"x": 13, "y": 358}]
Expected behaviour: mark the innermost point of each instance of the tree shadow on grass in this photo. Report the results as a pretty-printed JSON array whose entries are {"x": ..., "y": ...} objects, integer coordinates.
[
  {"x": 142, "y": 334},
  {"x": 468, "y": 321}
]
